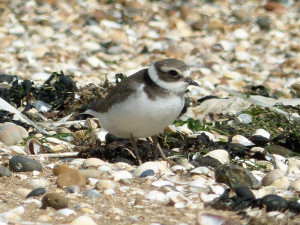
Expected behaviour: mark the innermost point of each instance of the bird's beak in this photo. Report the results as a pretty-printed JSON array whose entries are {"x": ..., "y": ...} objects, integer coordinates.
[{"x": 192, "y": 82}]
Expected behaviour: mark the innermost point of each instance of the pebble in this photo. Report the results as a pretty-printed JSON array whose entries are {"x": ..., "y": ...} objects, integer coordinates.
[
  {"x": 280, "y": 150},
  {"x": 71, "y": 178},
  {"x": 264, "y": 22},
  {"x": 242, "y": 15},
  {"x": 37, "y": 183},
  {"x": 55, "y": 201},
  {"x": 105, "y": 184},
  {"x": 234, "y": 176},
  {"x": 22, "y": 164},
  {"x": 92, "y": 193},
  {"x": 36, "y": 192},
  {"x": 66, "y": 212},
  {"x": 83, "y": 220},
  {"x": 240, "y": 34},
  {"x": 147, "y": 173},
  {"x": 44, "y": 218},
  {"x": 148, "y": 166},
  {"x": 23, "y": 192},
  {"x": 5, "y": 172}
]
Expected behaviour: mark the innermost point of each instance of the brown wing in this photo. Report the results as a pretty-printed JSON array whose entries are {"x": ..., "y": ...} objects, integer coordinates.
[{"x": 120, "y": 92}]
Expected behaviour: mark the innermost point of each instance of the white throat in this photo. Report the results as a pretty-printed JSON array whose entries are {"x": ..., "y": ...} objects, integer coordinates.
[{"x": 176, "y": 87}]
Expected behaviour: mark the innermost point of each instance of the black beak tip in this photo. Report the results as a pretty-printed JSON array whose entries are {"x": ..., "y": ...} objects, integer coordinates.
[{"x": 192, "y": 82}]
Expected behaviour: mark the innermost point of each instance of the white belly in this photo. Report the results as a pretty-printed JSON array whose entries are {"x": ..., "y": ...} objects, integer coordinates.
[{"x": 140, "y": 116}]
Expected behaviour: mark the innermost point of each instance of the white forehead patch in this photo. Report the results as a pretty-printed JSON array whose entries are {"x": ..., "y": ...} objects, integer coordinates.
[
  {"x": 177, "y": 87},
  {"x": 186, "y": 73}
]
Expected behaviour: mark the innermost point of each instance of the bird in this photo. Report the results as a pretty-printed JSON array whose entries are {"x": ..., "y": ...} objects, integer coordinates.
[{"x": 145, "y": 103}]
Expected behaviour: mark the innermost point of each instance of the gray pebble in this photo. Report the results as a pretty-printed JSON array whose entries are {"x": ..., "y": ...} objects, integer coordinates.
[
  {"x": 22, "y": 164},
  {"x": 264, "y": 22},
  {"x": 36, "y": 192},
  {"x": 92, "y": 193},
  {"x": 4, "y": 172},
  {"x": 147, "y": 173}
]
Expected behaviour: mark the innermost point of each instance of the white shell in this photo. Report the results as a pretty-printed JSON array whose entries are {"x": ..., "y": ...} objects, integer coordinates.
[
  {"x": 263, "y": 133},
  {"x": 239, "y": 139},
  {"x": 11, "y": 134},
  {"x": 119, "y": 175},
  {"x": 33, "y": 147},
  {"x": 202, "y": 170},
  {"x": 157, "y": 196},
  {"x": 207, "y": 218},
  {"x": 219, "y": 154},
  {"x": 93, "y": 162},
  {"x": 280, "y": 162},
  {"x": 207, "y": 197},
  {"x": 146, "y": 166},
  {"x": 177, "y": 179},
  {"x": 65, "y": 212}
]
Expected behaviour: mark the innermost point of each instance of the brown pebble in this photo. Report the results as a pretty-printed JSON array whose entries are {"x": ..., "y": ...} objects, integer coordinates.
[
  {"x": 55, "y": 201},
  {"x": 71, "y": 178},
  {"x": 58, "y": 169}
]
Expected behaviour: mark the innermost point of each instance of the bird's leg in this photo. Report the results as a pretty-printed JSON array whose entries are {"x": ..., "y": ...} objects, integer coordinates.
[
  {"x": 134, "y": 145},
  {"x": 155, "y": 141}
]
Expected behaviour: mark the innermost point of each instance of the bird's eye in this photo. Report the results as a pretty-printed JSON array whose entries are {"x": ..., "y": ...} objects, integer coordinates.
[{"x": 173, "y": 73}]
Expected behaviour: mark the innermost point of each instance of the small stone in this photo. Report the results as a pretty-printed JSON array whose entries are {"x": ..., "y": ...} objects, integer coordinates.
[
  {"x": 37, "y": 183},
  {"x": 5, "y": 172},
  {"x": 279, "y": 150},
  {"x": 92, "y": 173},
  {"x": 275, "y": 7},
  {"x": 55, "y": 201},
  {"x": 241, "y": 15},
  {"x": 73, "y": 189},
  {"x": 147, "y": 173},
  {"x": 144, "y": 167},
  {"x": 36, "y": 192},
  {"x": 264, "y": 22},
  {"x": 105, "y": 184},
  {"x": 240, "y": 34},
  {"x": 65, "y": 212},
  {"x": 58, "y": 169},
  {"x": 22, "y": 164},
  {"x": 92, "y": 193},
  {"x": 44, "y": 218},
  {"x": 83, "y": 220},
  {"x": 23, "y": 192},
  {"x": 71, "y": 178},
  {"x": 234, "y": 176}
]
